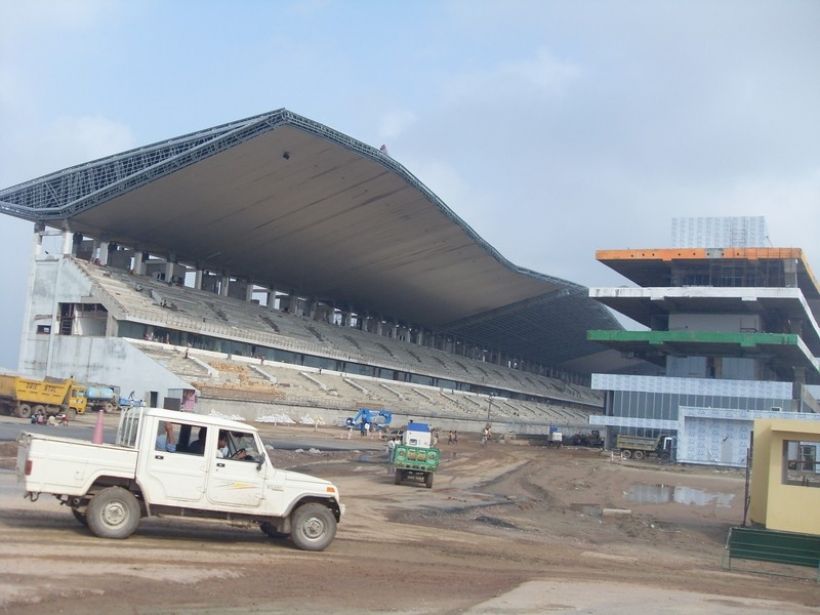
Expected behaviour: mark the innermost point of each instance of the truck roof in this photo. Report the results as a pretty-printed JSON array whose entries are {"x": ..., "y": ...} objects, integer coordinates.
[{"x": 203, "y": 419}]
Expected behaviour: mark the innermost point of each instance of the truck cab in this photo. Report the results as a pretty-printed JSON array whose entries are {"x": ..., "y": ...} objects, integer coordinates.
[{"x": 199, "y": 463}]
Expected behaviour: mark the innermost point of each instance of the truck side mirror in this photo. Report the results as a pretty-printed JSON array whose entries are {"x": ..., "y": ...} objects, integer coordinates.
[{"x": 261, "y": 462}]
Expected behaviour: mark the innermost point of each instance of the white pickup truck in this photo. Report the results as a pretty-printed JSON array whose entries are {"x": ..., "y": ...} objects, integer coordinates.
[{"x": 165, "y": 463}]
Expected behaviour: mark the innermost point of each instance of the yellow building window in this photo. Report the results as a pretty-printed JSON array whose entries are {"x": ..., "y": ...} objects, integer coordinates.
[{"x": 801, "y": 463}]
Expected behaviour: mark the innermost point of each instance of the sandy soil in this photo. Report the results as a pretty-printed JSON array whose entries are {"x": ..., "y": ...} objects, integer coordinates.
[{"x": 507, "y": 528}]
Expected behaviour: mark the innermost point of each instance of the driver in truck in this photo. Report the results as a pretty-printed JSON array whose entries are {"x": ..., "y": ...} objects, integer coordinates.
[{"x": 223, "y": 450}]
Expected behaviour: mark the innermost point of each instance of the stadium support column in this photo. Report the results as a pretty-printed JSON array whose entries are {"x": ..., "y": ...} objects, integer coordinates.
[
  {"x": 797, "y": 386},
  {"x": 39, "y": 229},
  {"x": 68, "y": 243},
  {"x": 310, "y": 307},
  {"x": 223, "y": 286},
  {"x": 420, "y": 336},
  {"x": 198, "y": 279},
  {"x": 25, "y": 356},
  {"x": 169, "y": 268},
  {"x": 139, "y": 262},
  {"x": 103, "y": 253}
]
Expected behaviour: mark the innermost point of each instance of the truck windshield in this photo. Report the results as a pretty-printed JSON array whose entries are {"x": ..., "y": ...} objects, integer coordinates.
[{"x": 238, "y": 445}]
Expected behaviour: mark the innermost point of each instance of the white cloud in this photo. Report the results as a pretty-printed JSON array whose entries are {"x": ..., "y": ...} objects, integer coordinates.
[
  {"x": 790, "y": 205},
  {"x": 62, "y": 143},
  {"x": 440, "y": 177},
  {"x": 394, "y": 123},
  {"x": 309, "y": 7},
  {"x": 543, "y": 76},
  {"x": 546, "y": 73},
  {"x": 34, "y": 142},
  {"x": 65, "y": 14},
  {"x": 78, "y": 139}
]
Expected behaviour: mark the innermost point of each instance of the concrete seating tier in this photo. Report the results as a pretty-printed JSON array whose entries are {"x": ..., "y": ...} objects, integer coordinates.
[
  {"x": 237, "y": 379},
  {"x": 150, "y": 301}
]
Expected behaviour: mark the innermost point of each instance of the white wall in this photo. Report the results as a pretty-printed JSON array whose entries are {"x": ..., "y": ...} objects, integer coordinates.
[{"x": 112, "y": 361}]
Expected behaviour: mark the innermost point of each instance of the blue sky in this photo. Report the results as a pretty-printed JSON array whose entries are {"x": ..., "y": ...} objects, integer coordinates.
[{"x": 553, "y": 128}]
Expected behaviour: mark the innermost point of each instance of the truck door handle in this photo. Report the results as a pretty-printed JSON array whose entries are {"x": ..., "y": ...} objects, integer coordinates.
[
  {"x": 220, "y": 465},
  {"x": 159, "y": 456}
]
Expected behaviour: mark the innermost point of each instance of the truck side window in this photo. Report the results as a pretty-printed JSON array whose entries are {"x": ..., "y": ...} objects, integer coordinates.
[
  {"x": 197, "y": 447},
  {"x": 168, "y": 438}
]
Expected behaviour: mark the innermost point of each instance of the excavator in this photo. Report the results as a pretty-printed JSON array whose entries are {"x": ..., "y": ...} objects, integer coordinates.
[{"x": 378, "y": 419}]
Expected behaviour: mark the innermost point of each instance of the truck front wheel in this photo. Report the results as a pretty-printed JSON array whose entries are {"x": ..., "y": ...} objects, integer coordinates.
[
  {"x": 313, "y": 527},
  {"x": 113, "y": 513}
]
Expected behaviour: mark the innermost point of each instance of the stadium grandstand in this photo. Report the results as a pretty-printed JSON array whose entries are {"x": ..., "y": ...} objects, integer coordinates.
[{"x": 276, "y": 267}]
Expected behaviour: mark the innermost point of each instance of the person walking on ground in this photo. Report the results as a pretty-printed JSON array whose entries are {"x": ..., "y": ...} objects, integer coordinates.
[{"x": 450, "y": 437}]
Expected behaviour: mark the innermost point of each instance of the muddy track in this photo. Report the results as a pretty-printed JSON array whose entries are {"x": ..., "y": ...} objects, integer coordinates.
[{"x": 498, "y": 517}]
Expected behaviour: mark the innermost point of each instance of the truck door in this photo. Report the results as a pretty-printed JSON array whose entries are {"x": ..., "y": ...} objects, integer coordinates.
[
  {"x": 174, "y": 475},
  {"x": 235, "y": 478}
]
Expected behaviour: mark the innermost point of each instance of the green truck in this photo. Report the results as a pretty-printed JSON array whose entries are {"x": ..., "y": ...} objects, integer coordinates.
[
  {"x": 415, "y": 462},
  {"x": 415, "y": 458}
]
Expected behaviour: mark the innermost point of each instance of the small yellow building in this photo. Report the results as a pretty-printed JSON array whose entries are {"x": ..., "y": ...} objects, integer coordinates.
[{"x": 785, "y": 488}]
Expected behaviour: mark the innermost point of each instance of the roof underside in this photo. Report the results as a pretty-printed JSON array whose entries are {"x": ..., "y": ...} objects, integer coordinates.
[{"x": 288, "y": 203}]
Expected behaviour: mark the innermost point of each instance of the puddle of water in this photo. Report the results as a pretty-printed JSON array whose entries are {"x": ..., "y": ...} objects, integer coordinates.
[
  {"x": 372, "y": 458},
  {"x": 664, "y": 494}
]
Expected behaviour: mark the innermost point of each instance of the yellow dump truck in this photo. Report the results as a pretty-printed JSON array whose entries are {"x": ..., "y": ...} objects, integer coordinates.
[{"x": 23, "y": 396}]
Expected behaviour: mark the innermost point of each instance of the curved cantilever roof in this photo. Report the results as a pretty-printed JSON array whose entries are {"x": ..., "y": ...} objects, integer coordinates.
[{"x": 287, "y": 202}]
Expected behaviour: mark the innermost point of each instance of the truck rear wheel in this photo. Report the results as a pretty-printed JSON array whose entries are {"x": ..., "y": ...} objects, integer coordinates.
[
  {"x": 428, "y": 480},
  {"x": 626, "y": 454},
  {"x": 313, "y": 527},
  {"x": 23, "y": 411},
  {"x": 638, "y": 455},
  {"x": 113, "y": 513},
  {"x": 398, "y": 477}
]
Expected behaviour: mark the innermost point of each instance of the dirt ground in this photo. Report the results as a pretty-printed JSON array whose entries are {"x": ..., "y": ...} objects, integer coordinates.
[{"x": 507, "y": 528}]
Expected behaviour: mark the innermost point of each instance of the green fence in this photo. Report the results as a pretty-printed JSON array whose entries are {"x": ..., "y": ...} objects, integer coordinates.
[{"x": 773, "y": 546}]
